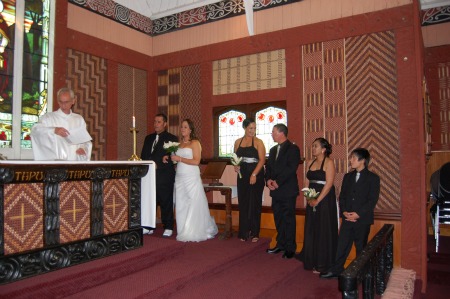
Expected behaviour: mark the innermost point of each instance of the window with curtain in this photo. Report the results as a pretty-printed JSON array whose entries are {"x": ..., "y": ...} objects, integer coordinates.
[
  {"x": 228, "y": 124},
  {"x": 25, "y": 48}
]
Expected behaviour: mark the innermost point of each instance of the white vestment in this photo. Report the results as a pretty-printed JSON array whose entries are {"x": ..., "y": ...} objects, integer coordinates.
[{"x": 49, "y": 146}]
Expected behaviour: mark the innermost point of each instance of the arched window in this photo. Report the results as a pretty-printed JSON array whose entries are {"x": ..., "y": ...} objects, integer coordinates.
[
  {"x": 228, "y": 124},
  {"x": 265, "y": 120},
  {"x": 230, "y": 129},
  {"x": 26, "y": 32}
]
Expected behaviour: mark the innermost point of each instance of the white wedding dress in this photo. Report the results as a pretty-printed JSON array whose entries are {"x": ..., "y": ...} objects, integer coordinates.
[{"x": 194, "y": 222}]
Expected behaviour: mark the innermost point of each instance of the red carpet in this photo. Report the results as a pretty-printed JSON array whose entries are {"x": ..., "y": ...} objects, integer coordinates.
[
  {"x": 438, "y": 286},
  {"x": 165, "y": 268}
]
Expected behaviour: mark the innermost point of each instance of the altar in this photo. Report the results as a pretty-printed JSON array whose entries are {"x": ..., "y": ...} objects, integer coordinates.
[{"x": 55, "y": 214}]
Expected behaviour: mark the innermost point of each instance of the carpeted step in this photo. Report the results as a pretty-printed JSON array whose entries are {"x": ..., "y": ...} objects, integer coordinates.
[
  {"x": 171, "y": 269},
  {"x": 67, "y": 281},
  {"x": 260, "y": 275},
  {"x": 303, "y": 284},
  {"x": 197, "y": 261}
]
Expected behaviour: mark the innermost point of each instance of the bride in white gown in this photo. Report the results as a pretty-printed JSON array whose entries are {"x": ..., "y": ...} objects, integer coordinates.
[{"x": 194, "y": 222}]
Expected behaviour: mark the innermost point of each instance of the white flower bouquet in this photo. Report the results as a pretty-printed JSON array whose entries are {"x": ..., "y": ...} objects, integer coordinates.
[
  {"x": 310, "y": 194},
  {"x": 171, "y": 147},
  {"x": 236, "y": 161}
]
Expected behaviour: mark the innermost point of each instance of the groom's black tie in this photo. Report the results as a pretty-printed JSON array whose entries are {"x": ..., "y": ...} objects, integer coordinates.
[
  {"x": 155, "y": 142},
  {"x": 278, "y": 151}
]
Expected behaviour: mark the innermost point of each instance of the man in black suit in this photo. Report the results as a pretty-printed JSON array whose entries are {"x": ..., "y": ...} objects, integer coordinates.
[
  {"x": 357, "y": 200},
  {"x": 281, "y": 179},
  {"x": 165, "y": 172}
]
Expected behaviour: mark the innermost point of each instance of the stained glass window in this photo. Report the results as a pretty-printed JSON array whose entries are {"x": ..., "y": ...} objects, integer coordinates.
[
  {"x": 265, "y": 120},
  {"x": 7, "y": 25},
  {"x": 24, "y": 69},
  {"x": 230, "y": 129},
  {"x": 229, "y": 124},
  {"x": 35, "y": 65}
]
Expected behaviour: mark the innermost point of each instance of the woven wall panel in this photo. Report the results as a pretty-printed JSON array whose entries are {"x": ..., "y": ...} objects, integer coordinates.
[
  {"x": 372, "y": 109},
  {"x": 75, "y": 216},
  {"x": 350, "y": 98},
  {"x": 334, "y": 97},
  {"x": 174, "y": 101},
  {"x": 163, "y": 92},
  {"x": 87, "y": 76},
  {"x": 313, "y": 95},
  {"x": 169, "y": 98},
  {"x": 191, "y": 101},
  {"x": 249, "y": 73},
  {"x": 444, "y": 106},
  {"x": 324, "y": 94},
  {"x": 23, "y": 217},
  {"x": 115, "y": 203},
  {"x": 132, "y": 100}
]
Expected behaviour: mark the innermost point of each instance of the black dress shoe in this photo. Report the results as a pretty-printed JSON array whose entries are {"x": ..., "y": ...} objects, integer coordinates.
[
  {"x": 288, "y": 255},
  {"x": 274, "y": 250},
  {"x": 328, "y": 275}
]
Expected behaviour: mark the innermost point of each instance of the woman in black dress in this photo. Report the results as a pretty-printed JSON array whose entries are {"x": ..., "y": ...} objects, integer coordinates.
[
  {"x": 321, "y": 225},
  {"x": 250, "y": 182}
]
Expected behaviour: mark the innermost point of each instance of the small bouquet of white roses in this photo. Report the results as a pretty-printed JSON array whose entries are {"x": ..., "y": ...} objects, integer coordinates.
[
  {"x": 236, "y": 161},
  {"x": 171, "y": 147},
  {"x": 310, "y": 194}
]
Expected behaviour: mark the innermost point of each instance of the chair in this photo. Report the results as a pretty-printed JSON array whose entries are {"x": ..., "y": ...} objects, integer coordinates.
[{"x": 440, "y": 193}]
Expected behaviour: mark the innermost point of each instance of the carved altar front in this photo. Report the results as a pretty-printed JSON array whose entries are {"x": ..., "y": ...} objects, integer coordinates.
[{"x": 58, "y": 214}]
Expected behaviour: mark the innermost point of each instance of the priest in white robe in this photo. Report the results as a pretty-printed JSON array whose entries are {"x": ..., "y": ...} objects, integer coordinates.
[{"x": 62, "y": 135}]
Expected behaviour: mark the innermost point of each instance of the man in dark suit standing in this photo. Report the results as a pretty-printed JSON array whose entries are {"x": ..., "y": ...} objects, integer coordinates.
[
  {"x": 357, "y": 201},
  {"x": 281, "y": 179},
  {"x": 165, "y": 172}
]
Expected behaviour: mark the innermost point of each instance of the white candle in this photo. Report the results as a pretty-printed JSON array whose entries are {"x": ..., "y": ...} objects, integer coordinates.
[{"x": 134, "y": 119}]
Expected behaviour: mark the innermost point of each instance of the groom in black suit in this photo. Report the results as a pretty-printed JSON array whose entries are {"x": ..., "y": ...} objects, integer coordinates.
[
  {"x": 165, "y": 172},
  {"x": 357, "y": 200},
  {"x": 281, "y": 179}
]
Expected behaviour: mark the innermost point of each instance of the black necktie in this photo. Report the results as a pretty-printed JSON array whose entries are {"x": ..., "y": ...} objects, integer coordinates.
[{"x": 155, "y": 142}]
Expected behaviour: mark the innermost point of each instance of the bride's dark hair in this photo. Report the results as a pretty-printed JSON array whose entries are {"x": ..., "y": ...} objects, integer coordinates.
[{"x": 190, "y": 123}]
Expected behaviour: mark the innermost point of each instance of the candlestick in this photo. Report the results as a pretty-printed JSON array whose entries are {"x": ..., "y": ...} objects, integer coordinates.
[{"x": 134, "y": 157}]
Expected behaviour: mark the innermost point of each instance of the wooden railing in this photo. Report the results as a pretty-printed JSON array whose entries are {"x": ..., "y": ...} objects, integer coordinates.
[{"x": 371, "y": 268}]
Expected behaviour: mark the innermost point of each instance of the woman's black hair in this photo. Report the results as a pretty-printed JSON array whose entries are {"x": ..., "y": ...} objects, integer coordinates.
[
  {"x": 326, "y": 145},
  {"x": 247, "y": 122}
]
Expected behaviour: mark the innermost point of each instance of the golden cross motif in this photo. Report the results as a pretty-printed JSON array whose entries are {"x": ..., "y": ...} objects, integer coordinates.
[
  {"x": 74, "y": 210},
  {"x": 114, "y": 205},
  {"x": 22, "y": 217}
]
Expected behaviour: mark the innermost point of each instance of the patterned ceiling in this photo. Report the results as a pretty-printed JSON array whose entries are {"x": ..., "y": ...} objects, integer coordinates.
[
  {"x": 155, "y": 9},
  {"x": 155, "y": 17},
  {"x": 426, "y": 4}
]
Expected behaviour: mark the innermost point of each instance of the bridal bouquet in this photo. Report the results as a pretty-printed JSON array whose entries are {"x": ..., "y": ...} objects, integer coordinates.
[
  {"x": 310, "y": 194},
  {"x": 171, "y": 147},
  {"x": 236, "y": 161}
]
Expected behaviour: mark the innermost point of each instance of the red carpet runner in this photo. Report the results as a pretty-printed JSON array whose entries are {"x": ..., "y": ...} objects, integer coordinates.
[{"x": 165, "y": 268}]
